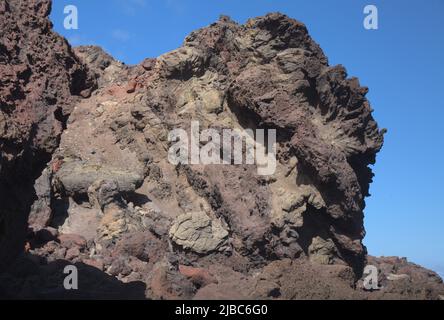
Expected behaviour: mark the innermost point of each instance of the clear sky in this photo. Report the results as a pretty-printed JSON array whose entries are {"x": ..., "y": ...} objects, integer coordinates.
[{"x": 402, "y": 63}]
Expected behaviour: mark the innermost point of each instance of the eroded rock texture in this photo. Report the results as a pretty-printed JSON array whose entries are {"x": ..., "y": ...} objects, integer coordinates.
[
  {"x": 40, "y": 79},
  {"x": 110, "y": 202}
]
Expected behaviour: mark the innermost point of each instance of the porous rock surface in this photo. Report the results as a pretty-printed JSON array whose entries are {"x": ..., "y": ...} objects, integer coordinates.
[
  {"x": 106, "y": 198},
  {"x": 40, "y": 80}
]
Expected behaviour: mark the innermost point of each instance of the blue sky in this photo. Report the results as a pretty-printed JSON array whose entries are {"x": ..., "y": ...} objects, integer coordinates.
[{"x": 402, "y": 63}]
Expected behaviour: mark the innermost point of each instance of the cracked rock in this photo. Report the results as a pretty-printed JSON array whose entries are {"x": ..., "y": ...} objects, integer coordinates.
[{"x": 198, "y": 232}]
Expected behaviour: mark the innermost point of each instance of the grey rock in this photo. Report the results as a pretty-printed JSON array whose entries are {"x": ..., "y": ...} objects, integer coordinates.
[
  {"x": 40, "y": 214},
  {"x": 198, "y": 232},
  {"x": 322, "y": 251},
  {"x": 76, "y": 177}
]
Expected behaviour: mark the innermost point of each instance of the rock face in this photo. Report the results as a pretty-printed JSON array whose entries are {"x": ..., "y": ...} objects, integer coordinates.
[
  {"x": 40, "y": 81},
  {"x": 110, "y": 201}
]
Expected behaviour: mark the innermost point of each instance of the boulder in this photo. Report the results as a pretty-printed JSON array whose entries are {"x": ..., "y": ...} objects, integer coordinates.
[
  {"x": 76, "y": 178},
  {"x": 196, "y": 231}
]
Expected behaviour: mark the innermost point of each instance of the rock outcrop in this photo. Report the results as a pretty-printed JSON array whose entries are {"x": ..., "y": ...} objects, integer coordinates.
[
  {"x": 40, "y": 81},
  {"x": 107, "y": 199},
  {"x": 197, "y": 232}
]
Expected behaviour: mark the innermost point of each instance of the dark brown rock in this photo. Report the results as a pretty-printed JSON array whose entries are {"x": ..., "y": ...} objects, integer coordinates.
[
  {"x": 186, "y": 231},
  {"x": 40, "y": 79}
]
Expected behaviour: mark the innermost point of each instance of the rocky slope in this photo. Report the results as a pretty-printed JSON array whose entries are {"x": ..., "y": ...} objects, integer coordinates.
[{"x": 93, "y": 135}]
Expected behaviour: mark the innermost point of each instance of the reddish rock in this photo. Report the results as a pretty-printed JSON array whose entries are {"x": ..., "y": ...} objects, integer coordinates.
[
  {"x": 131, "y": 87},
  {"x": 56, "y": 165},
  {"x": 198, "y": 276},
  {"x": 72, "y": 253},
  {"x": 142, "y": 245},
  {"x": 70, "y": 240},
  {"x": 98, "y": 264}
]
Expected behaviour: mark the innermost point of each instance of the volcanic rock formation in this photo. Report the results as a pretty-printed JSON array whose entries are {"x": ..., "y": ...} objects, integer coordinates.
[
  {"x": 40, "y": 80},
  {"x": 84, "y": 145}
]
